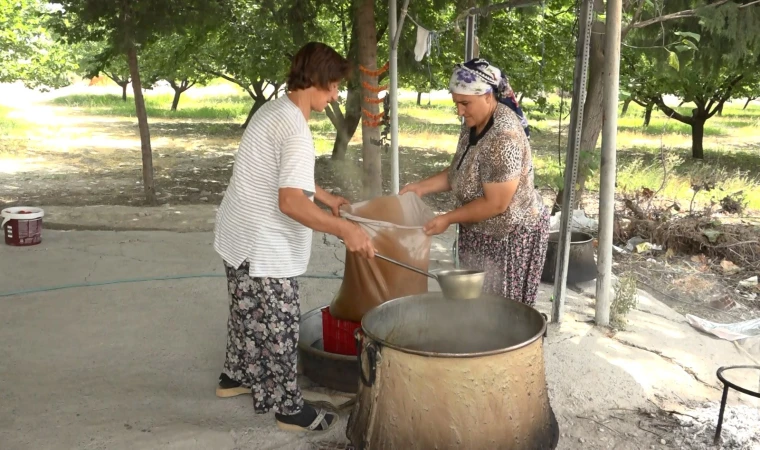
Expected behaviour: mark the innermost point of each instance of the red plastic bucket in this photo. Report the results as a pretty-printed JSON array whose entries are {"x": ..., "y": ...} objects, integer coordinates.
[
  {"x": 338, "y": 335},
  {"x": 22, "y": 225}
]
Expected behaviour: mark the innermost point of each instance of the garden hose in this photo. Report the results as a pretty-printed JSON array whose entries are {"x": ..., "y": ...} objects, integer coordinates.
[{"x": 141, "y": 280}]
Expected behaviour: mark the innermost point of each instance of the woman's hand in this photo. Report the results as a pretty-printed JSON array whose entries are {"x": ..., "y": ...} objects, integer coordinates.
[
  {"x": 433, "y": 185},
  {"x": 356, "y": 240},
  {"x": 335, "y": 202},
  {"x": 437, "y": 225},
  {"x": 412, "y": 187}
]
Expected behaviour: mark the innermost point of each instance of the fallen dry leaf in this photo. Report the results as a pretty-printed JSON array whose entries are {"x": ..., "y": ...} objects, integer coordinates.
[
  {"x": 723, "y": 304},
  {"x": 701, "y": 258},
  {"x": 729, "y": 267}
]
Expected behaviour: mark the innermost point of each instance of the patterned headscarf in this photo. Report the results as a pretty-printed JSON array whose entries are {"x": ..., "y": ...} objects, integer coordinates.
[{"x": 478, "y": 77}]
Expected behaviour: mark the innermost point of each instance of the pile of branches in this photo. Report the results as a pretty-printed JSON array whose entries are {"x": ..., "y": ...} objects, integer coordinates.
[{"x": 691, "y": 233}]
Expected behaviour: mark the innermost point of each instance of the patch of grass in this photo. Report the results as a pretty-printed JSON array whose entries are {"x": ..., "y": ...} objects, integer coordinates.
[
  {"x": 428, "y": 135},
  {"x": 413, "y": 125},
  {"x": 9, "y": 126},
  {"x": 662, "y": 125},
  {"x": 190, "y": 107},
  {"x": 731, "y": 172},
  {"x": 13, "y": 132}
]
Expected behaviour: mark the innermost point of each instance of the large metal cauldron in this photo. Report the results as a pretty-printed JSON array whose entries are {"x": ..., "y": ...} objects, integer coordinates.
[{"x": 452, "y": 374}]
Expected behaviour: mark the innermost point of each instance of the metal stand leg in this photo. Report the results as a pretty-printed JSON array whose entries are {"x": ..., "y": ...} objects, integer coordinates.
[
  {"x": 456, "y": 247},
  {"x": 720, "y": 415}
]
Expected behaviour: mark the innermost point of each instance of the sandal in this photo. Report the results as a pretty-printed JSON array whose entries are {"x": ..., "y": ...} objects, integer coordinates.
[
  {"x": 320, "y": 423},
  {"x": 230, "y": 388}
]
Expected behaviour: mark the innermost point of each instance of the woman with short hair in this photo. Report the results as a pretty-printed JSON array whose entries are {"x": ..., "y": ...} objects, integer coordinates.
[{"x": 264, "y": 234}]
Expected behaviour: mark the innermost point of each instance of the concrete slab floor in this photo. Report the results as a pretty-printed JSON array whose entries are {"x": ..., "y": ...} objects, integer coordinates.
[{"x": 134, "y": 364}]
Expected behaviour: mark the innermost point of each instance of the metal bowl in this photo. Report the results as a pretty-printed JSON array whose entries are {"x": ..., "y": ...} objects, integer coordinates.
[{"x": 462, "y": 284}]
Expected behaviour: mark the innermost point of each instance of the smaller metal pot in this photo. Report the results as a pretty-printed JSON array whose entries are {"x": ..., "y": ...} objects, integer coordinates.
[{"x": 581, "y": 264}]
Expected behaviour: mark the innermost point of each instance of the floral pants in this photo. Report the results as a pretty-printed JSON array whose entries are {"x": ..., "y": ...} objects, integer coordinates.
[
  {"x": 513, "y": 264},
  {"x": 262, "y": 339}
]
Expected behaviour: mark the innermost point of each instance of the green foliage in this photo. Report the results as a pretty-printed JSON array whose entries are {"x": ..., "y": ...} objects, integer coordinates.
[
  {"x": 129, "y": 22},
  {"x": 704, "y": 60},
  {"x": 534, "y": 47},
  {"x": 433, "y": 72},
  {"x": 738, "y": 27},
  {"x": 626, "y": 299},
  {"x": 29, "y": 52},
  {"x": 171, "y": 58},
  {"x": 253, "y": 41}
]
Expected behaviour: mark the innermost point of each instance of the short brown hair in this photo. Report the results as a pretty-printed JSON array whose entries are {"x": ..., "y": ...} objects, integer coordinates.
[{"x": 317, "y": 64}]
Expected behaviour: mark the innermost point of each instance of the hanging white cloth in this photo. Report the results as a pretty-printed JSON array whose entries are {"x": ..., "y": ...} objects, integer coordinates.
[{"x": 422, "y": 47}]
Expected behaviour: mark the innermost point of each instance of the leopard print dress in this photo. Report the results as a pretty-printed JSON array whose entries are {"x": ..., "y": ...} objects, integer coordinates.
[{"x": 511, "y": 246}]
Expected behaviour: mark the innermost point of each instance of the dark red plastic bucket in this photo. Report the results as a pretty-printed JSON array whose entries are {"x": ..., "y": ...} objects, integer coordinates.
[
  {"x": 22, "y": 225},
  {"x": 338, "y": 335}
]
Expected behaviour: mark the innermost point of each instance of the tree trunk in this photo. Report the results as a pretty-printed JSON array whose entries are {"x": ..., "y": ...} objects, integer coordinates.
[
  {"x": 257, "y": 103},
  {"x": 345, "y": 125},
  {"x": 175, "y": 102},
  {"x": 178, "y": 90},
  {"x": 648, "y": 114},
  {"x": 557, "y": 207},
  {"x": 697, "y": 136},
  {"x": 626, "y": 104},
  {"x": 593, "y": 114},
  {"x": 720, "y": 110},
  {"x": 142, "y": 121},
  {"x": 367, "y": 40},
  {"x": 749, "y": 99},
  {"x": 419, "y": 98},
  {"x": 124, "y": 90},
  {"x": 259, "y": 99}
]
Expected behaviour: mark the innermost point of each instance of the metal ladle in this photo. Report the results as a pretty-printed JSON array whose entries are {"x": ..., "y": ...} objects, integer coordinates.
[{"x": 455, "y": 283}]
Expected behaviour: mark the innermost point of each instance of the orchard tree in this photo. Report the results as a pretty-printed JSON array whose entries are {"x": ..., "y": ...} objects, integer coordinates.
[
  {"x": 707, "y": 59},
  {"x": 342, "y": 22},
  {"x": 534, "y": 48},
  {"x": 254, "y": 43},
  {"x": 367, "y": 57},
  {"x": 95, "y": 58},
  {"x": 170, "y": 58},
  {"x": 29, "y": 51},
  {"x": 340, "y": 16},
  {"x": 642, "y": 14},
  {"x": 447, "y": 49},
  {"x": 749, "y": 91},
  {"x": 127, "y": 27}
]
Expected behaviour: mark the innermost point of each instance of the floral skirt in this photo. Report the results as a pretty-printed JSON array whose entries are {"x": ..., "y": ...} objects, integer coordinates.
[
  {"x": 513, "y": 264},
  {"x": 262, "y": 339}
]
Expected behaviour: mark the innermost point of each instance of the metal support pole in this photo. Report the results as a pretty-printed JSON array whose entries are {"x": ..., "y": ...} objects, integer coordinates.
[
  {"x": 394, "y": 34},
  {"x": 469, "y": 49},
  {"x": 609, "y": 163},
  {"x": 580, "y": 78},
  {"x": 469, "y": 40}
]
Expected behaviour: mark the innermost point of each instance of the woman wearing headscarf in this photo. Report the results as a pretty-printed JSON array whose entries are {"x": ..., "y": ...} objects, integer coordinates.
[{"x": 504, "y": 225}]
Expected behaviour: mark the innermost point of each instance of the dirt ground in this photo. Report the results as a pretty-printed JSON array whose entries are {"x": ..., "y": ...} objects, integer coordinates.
[{"x": 134, "y": 363}]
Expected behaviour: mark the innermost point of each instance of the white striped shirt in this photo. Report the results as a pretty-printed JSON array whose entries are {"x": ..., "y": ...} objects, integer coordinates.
[{"x": 276, "y": 151}]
